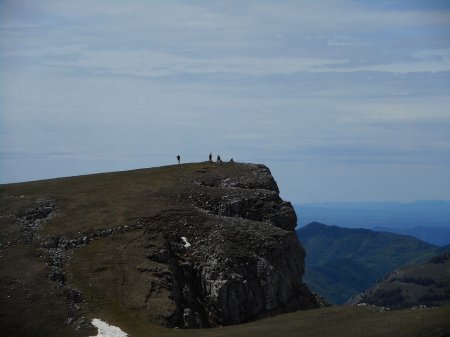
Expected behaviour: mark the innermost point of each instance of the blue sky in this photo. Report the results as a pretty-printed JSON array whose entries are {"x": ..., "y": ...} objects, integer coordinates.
[{"x": 343, "y": 100}]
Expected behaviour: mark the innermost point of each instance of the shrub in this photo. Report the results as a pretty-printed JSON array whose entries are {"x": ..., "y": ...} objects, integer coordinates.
[{"x": 440, "y": 258}]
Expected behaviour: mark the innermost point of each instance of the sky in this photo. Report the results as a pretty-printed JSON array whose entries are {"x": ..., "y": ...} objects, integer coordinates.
[{"x": 342, "y": 100}]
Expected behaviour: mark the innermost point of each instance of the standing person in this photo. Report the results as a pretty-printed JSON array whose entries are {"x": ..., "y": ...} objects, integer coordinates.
[
  {"x": 178, "y": 158},
  {"x": 219, "y": 161},
  {"x": 210, "y": 156}
]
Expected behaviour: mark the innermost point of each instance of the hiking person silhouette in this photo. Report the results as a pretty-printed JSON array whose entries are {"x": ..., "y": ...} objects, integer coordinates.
[
  {"x": 210, "y": 156},
  {"x": 178, "y": 158},
  {"x": 219, "y": 160}
]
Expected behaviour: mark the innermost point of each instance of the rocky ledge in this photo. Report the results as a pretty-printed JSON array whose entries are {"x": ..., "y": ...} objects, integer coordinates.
[{"x": 244, "y": 261}]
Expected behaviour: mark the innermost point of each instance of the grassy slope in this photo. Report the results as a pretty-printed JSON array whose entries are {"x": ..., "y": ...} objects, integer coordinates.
[
  {"x": 333, "y": 253},
  {"x": 96, "y": 201},
  {"x": 326, "y": 322},
  {"x": 423, "y": 284},
  {"x": 28, "y": 299},
  {"x": 101, "y": 201}
]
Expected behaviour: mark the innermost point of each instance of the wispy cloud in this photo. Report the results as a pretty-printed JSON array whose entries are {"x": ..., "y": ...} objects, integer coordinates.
[
  {"x": 347, "y": 41},
  {"x": 157, "y": 64}
]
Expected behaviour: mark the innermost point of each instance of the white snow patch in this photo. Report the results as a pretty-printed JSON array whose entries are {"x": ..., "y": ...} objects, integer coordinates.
[
  {"x": 106, "y": 330},
  {"x": 186, "y": 243}
]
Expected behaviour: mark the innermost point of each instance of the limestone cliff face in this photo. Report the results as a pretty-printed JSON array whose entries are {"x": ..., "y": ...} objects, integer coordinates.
[
  {"x": 194, "y": 245},
  {"x": 248, "y": 263},
  {"x": 252, "y": 196}
]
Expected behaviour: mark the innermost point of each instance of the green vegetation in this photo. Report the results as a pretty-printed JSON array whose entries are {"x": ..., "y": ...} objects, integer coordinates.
[
  {"x": 423, "y": 284},
  {"x": 337, "y": 279},
  {"x": 342, "y": 262},
  {"x": 441, "y": 258}
]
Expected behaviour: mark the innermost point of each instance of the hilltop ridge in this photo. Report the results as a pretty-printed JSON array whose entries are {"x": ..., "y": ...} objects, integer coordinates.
[{"x": 191, "y": 245}]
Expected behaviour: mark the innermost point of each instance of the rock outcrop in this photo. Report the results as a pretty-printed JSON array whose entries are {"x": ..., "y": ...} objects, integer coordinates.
[
  {"x": 194, "y": 245},
  {"x": 248, "y": 263}
]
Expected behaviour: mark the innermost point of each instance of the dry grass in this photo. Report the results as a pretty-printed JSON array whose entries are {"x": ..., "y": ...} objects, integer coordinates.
[{"x": 327, "y": 322}]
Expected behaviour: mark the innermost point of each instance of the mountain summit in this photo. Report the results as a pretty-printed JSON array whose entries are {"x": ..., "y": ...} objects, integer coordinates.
[{"x": 192, "y": 245}]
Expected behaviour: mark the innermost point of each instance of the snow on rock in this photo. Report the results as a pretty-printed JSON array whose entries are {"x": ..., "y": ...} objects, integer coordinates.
[
  {"x": 106, "y": 330},
  {"x": 186, "y": 243}
]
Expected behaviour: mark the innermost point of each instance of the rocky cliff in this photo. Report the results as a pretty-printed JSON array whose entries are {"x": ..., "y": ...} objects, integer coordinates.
[{"x": 193, "y": 245}]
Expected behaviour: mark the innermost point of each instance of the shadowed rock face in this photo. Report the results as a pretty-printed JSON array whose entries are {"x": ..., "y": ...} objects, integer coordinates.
[
  {"x": 192, "y": 245},
  {"x": 249, "y": 263}
]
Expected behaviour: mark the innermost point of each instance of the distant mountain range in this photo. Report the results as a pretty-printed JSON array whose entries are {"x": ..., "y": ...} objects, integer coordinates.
[
  {"x": 435, "y": 235},
  {"x": 425, "y": 220},
  {"x": 342, "y": 262}
]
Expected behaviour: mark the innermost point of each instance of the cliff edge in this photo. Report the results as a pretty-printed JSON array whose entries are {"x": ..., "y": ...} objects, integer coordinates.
[{"x": 193, "y": 245}]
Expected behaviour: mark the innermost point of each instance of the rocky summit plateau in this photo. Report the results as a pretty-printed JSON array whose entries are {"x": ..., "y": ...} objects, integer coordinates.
[{"x": 187, "y": 246}]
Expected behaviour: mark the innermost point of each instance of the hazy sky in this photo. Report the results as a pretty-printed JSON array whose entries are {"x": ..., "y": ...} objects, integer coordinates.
[{"x": 343, "y": 100}]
